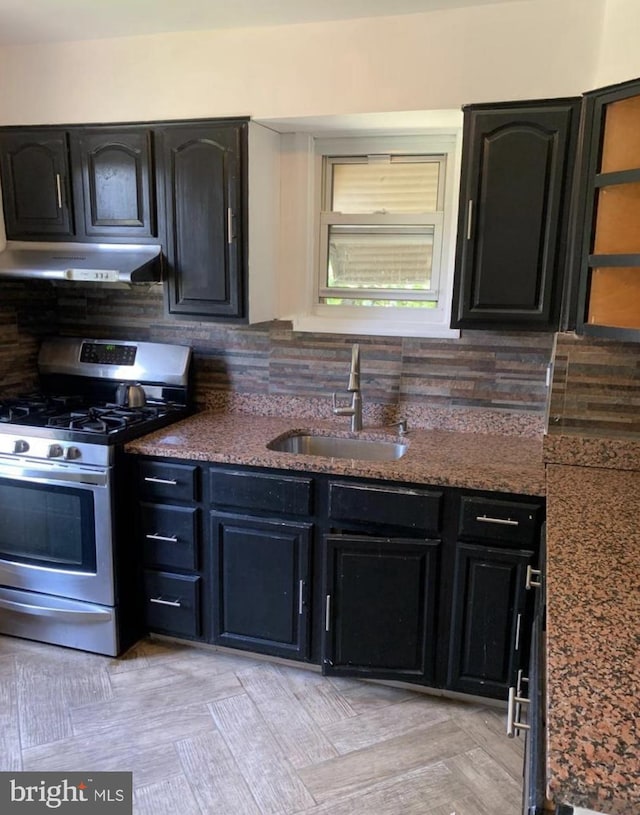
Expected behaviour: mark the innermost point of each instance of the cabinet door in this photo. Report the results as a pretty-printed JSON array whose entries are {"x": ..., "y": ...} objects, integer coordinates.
[
  {"x": 113, "y": 180},
  {"x": 261, "y": 569},
  {"x": 200, "y": 173},
  {"x": 380, "y": 607},
  {"x": 608, "y": 234},
  {"x": 489, "y": 619},
  {"x": 514, "y": 205},
  {"x": 35, "y": 184}
]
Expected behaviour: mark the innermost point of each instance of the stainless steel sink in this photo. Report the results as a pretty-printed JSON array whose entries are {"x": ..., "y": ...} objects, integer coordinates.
[{"x": 307, "y": 444}]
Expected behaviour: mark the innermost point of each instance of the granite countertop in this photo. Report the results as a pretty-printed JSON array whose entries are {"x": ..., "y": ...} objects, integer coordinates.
[
  {"x": 473, "y": 460},
  {"x": 585, "y": 449},
  {"x": 593, "y": 628}
]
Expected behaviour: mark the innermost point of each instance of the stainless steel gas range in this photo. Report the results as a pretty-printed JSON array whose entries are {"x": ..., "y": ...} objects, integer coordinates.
[{"x": 67, "y": 565}]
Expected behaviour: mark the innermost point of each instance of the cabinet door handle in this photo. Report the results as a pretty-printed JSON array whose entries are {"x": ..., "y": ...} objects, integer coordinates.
[
  {"x": 513, "y": 723},
  {"x": 59, "y": 190},
  {"x": 154, "y": 480},
  {"x": 469, "y": 218},
  {"x": 161, "y": 602},
  {"x": 230, "y": 235},
  {"x": 327, "y": 614},
  {"x": 516, "y": 646},
  {"x": 300, "y": 596},
  {"x": 504, "y": 521},
  {"x": 155, "y": 537},
  {"x": 530, "y": 583}
]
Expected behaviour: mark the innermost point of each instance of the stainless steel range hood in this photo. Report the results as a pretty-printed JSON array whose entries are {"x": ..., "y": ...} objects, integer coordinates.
[{"x": 81, "y": 262}]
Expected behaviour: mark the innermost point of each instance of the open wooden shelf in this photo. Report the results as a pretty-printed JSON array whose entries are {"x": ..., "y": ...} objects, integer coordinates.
[
  {"x": 621, "y": 143},
  {"x": 614, "y": 298}
]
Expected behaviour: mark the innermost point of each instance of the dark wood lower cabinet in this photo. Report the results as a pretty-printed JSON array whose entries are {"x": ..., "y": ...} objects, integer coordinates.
[
  {"x": 262, "y": 584},
  {"x": 380, "y": 598},
  {"x": 488, "y": 624},
  {"x": 370, "y": 579}
]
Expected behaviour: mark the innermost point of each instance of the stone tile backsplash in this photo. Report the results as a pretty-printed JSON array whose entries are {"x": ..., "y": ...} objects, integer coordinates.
[
  {"x": 596, "y": 386},
  {"x": 490, "y": 379}
]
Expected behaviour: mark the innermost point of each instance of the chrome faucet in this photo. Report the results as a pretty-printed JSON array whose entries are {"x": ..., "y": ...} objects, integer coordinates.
[{"x": 355, "y": 408}]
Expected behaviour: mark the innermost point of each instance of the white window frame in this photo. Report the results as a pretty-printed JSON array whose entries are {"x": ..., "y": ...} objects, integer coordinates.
[
  {"x": 330, "y": 217},
  {"x": 394, "y": 321}
]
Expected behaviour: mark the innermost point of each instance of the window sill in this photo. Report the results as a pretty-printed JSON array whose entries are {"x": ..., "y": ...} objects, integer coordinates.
[{"x": 400, "y": 327}]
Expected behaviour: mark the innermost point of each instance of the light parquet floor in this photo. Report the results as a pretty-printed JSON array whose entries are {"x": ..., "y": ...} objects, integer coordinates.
[{"x": 223, "y": 734}]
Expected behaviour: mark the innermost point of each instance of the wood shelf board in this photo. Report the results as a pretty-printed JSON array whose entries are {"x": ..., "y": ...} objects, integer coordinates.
[
  {"x": 621, "y": 142},
  {"x": 614, "y": 297}
]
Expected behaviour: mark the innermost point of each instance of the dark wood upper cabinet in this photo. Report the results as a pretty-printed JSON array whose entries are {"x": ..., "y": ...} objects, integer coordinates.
[
  {"x": 113, "y": 183},
  {"x": 607, "y": 243},
  {"x": 36, "y": 190},
  {"x": 201, "y": 184},
  {"x": 517, "y": 169}
]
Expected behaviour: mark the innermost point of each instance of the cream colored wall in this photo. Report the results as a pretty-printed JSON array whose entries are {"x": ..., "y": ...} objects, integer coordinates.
[
  {"x": 441, "y": 59},
  {"x": 619, "y": 55}
]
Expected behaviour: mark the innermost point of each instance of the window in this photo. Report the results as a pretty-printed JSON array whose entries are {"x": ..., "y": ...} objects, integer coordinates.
[
  {"x": 384, "y": 235},
  {"x": 368, "y": 207},
  {"x": 381, "y": 230}
]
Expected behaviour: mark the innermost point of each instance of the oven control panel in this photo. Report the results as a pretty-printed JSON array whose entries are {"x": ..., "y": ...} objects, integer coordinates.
[
  {"x": 35, "y": 448},
  {"x": 108, "y": 353}
]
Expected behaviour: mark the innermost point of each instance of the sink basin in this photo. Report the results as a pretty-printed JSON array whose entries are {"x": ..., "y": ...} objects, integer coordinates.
[{"x": 335, "y": 447}]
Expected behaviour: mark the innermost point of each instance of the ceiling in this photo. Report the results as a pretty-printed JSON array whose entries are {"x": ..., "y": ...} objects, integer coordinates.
[{"x": 38, "y": 21}]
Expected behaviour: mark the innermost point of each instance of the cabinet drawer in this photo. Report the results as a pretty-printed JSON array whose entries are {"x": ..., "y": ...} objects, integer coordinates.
[
  {"x": 167, "y": 481},
  {"x": 496, "y": 520},
  {"x": 169, "y": 536},
  {"x": 172, "y": 603},
  {"x": 261, "y": 492},
  {"x": 391, "y": 506}
]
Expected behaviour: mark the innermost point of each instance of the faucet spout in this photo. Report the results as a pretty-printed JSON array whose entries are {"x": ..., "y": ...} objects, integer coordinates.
[
  {"x": 354, "y": 373},
  {"x": 354, "y": 410}
]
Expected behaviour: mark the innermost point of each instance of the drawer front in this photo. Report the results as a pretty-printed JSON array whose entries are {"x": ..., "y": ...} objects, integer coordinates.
[
  {"x": 166, "y": 481},
  {"x": 261, "y": 492},
  {"x": 508, "y": 521},
  {"x": 392, "y": 506},
  {"x": 172, "y": 603},
  {"x": 169, "y": 536}
]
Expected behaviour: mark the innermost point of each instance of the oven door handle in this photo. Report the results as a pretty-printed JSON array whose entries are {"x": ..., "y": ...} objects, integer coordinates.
[
  {"x": 71, "y": 615},
  {"x": 42, "y": 475}
]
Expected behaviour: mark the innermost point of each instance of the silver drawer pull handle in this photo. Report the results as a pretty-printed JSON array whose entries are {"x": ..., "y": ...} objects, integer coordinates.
[
  {"x": 156, "y": 537},
  {"x": 512, "y": 723},
  {"x": 530, "y": 583},
  {"x": 153, "y": 480},
  {"x": 161, "y": 602},
  {"x": 300, "y": 596},
  {"x": 327, "y": 614},
  {"x": 504, "y": 521}
]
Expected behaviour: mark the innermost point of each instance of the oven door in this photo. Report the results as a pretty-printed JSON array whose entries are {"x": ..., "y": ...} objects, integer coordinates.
[{"x": 55, "y": 529}]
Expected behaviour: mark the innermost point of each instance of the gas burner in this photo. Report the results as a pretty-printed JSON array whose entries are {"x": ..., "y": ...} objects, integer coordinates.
[
  {"x": 19, "y": 408},
  {"x": 13, "y": 412},
  {"x": 105, "y": 419}
]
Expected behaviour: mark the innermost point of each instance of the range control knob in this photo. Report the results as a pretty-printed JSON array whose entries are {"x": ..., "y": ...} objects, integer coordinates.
[
  {"x": 54, "y": 451},
  {"x": 71, "y": 453},
  {"x": 20, "y": 446}
]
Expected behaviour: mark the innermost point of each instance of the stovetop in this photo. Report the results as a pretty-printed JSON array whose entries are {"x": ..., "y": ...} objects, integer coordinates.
[
  {"x": 100, "y": 422},
  {"x": 81, "y": 383},
  {"x": 75, "y": 417}
]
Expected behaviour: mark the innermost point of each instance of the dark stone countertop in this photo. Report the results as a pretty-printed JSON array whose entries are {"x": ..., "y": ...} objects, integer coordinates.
[
  {"x": 479, "y": 461},
  {"x": 593, "y": 623}
]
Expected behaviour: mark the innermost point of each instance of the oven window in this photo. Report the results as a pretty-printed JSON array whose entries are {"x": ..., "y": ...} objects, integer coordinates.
[{"x": 47, "y": 525}]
